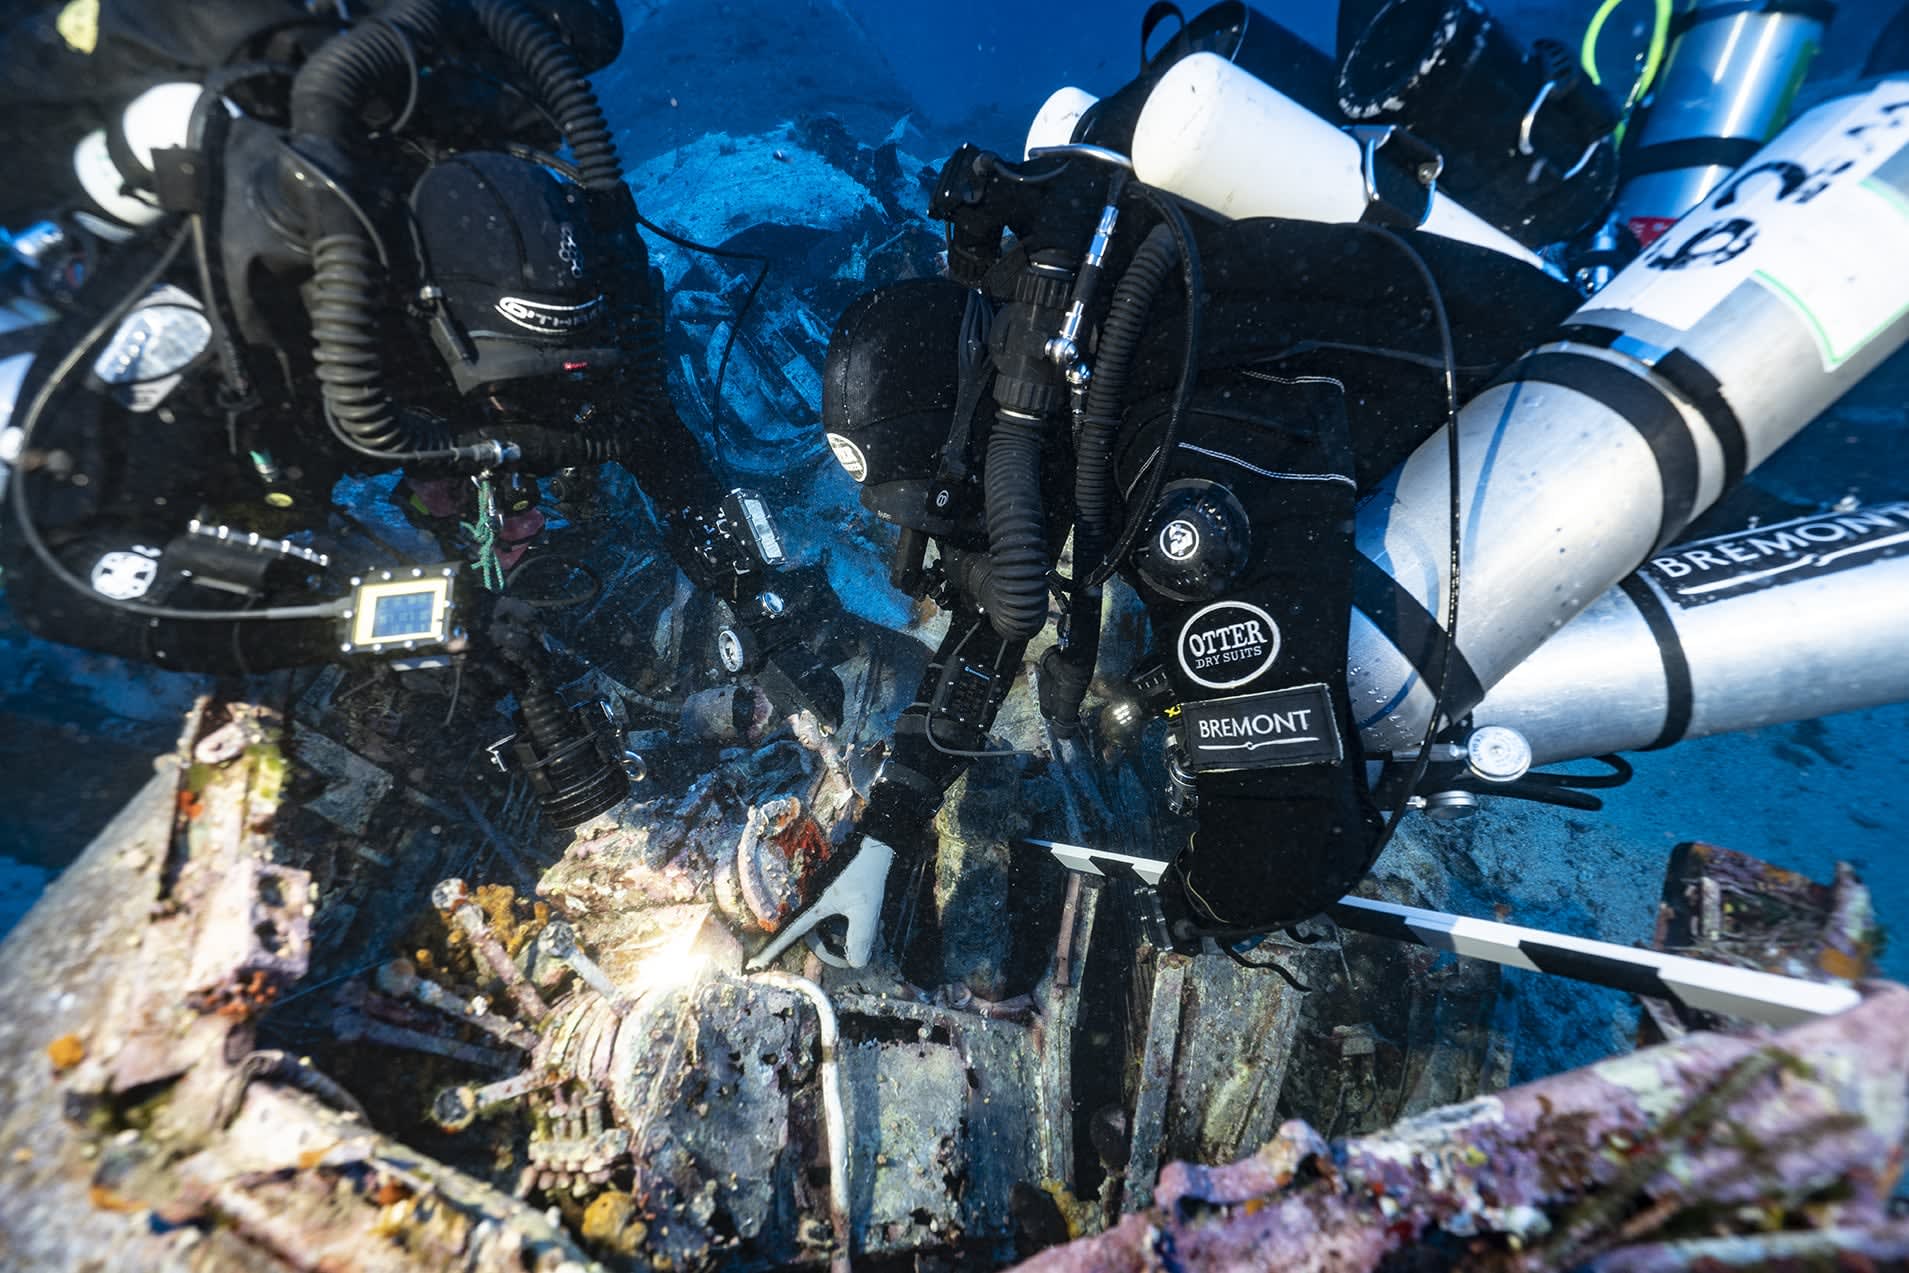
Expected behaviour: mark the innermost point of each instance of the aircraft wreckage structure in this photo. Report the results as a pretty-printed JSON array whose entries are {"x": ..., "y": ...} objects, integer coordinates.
[{"x": 322, "y": 997}]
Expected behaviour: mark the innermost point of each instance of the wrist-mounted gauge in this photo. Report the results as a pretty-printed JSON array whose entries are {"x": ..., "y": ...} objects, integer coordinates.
[{"x": 745, "y": 521}]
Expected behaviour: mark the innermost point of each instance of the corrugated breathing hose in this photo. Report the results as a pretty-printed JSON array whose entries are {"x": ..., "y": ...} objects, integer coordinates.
[
  {"x": 1066, "y": 673},
  {"x": 558, "y": 80}
]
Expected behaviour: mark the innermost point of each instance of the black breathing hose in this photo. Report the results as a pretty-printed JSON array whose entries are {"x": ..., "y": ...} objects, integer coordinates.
[
  {"x": 1014, "y": 588},
  {"x": 348, "y": 281},
  {"x": 1193, "y": 280},
  {"x": 348, "y": 71},
  {"x": 1028, "y": 396},
  {"x": 557, "y": 78},
  {"x": 1067, "y": 673},
  {"x": 345, "y": 295}
]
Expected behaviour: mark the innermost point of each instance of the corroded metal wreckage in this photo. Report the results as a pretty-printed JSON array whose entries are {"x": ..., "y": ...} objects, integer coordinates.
[{"x": 293, "y": 1010}]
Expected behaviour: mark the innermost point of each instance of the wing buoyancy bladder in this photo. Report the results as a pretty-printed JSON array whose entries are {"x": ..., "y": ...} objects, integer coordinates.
[{"x": 1786, "y": 287}]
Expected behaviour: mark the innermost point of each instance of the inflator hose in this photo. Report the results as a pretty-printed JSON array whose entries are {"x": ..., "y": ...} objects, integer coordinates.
[{"x": 1066, "y": 673}]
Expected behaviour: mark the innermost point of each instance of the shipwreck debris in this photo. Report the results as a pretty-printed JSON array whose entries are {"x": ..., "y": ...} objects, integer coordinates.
[
  {"x": 1565, "y": 1170},
  {"x": 1733, "y": 909}
]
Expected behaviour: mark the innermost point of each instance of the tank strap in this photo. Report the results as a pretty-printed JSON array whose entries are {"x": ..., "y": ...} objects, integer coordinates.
[
  {"x": 1679, "y": 692},
  {"x": 1414, "y": 632},
  {"x": 1693, "y": 380},
  {"x": 1643, "y": 407},
  {"x": 1691, "y": 152}
]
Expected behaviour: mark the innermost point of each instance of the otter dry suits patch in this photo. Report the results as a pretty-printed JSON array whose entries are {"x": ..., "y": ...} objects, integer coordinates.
[
  {"x": 1252, "y": 635},
  {"x": 1227, "y": 644}
]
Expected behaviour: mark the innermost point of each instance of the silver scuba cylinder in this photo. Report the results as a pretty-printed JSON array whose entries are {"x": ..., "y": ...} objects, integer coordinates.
[
  {"x": 1784, "y": 289},
  {"x": 1764, "y": 625},
  {"x": 1725, "y": 89}
]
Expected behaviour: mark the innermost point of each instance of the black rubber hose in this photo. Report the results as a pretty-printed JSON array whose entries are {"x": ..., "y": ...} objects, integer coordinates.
[
  {"x": 346, "y": 291},
  {"x": 557, "y": 78},
  {"x": 340, "y": 80},
  {"x": 1016, "y": 586},
  {"x": 580, "y": 784},
  {"x": 1107, "y": 396},
  {"x": 1066, "y": 673},
  {"x": 1193, "y": 279},
  {"x": 591, "y": 443}
]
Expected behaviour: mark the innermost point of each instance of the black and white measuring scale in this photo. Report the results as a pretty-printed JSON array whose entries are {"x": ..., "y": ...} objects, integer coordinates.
[{"x": 1767, "y": 998}]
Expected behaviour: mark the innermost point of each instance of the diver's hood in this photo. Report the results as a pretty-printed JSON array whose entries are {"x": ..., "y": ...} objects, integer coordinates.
[
  {"x": 510, "y": 248},
  {"x": 889, "y": 391}
]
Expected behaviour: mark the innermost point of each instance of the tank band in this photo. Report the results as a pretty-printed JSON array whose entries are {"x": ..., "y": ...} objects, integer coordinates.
[
  {"x": 1643, "y": 407},
  {"x": 1691, "y": 152},
  {"x": 1679, "y": 693},
  {"x": 1412, "y": 630},
  {"x": 1698, "y": 386},
  {"x": 1821, "y": 10}
]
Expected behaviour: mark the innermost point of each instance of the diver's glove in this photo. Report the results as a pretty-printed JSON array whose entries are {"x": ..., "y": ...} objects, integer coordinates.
[{"x": 856, "y": 885}]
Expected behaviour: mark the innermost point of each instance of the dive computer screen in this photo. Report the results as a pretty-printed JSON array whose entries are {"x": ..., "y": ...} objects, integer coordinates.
[
  {"x": 401, "y": 609},
  {"x": 403, "y": 615}
]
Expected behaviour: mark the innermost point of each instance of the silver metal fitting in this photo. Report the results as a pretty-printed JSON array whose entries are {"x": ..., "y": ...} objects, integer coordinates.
[{"x": 1498, "y": 753}]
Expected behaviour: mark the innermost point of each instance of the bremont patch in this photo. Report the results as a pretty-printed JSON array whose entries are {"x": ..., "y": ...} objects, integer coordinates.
[{"x": 1261, "y": 731}]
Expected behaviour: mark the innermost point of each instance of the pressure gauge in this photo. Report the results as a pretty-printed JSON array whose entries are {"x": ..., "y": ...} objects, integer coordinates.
[{"x": 1498, "y": 753}]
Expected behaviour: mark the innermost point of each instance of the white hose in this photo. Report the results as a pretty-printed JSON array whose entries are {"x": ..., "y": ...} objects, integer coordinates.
[{"x": 835, "y": 1122}]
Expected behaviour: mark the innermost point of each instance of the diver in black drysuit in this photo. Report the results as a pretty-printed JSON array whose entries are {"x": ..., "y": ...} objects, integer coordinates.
[
  {"x": 1316, "y": 373},
  {"x": 384, "y": 268},
  {"x": 1249, "y": 381}
]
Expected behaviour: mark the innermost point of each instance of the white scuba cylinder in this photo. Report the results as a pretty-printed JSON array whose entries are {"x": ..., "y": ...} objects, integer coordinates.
[
  {"x": 1213, "y": 134},
  {"x": 1059, "y": 115},
  {"x": 120, "y": 185},
  {"x": 1786, "y": 287},
  {"x": 1772, "y": 623}
]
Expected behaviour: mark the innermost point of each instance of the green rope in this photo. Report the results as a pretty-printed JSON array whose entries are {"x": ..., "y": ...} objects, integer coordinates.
[{"x": 483, "y": 533}]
